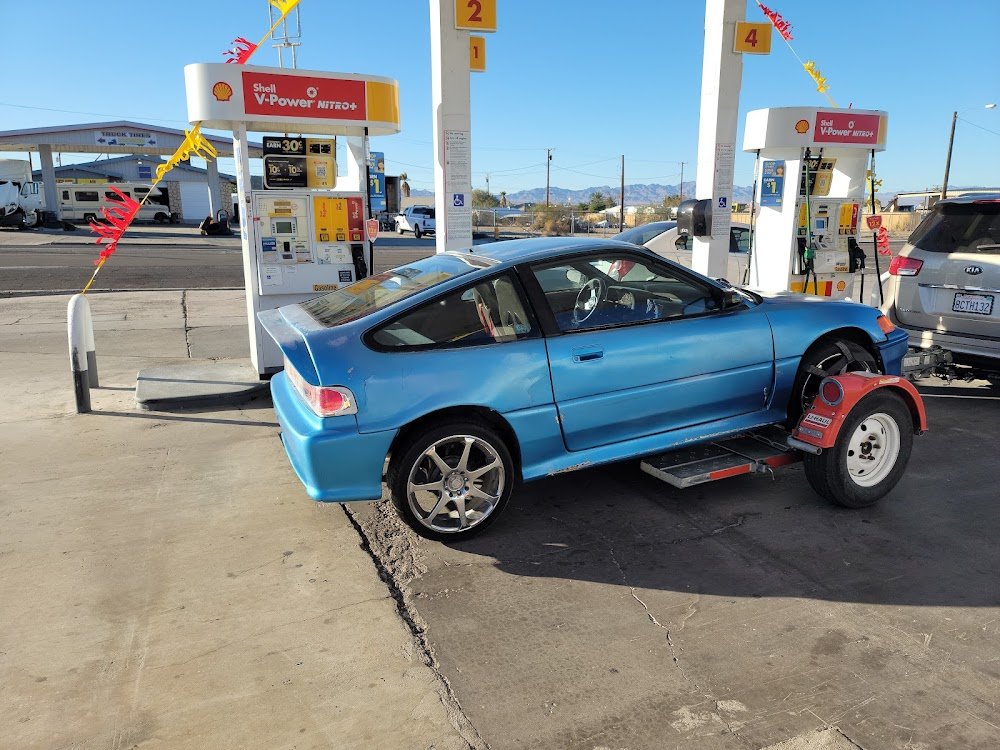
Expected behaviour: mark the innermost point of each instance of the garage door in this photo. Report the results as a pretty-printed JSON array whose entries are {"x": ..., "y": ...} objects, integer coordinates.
[{"x": 194, "y": 201}]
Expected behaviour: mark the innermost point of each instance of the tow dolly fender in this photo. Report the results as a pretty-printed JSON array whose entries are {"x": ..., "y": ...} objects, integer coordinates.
[{"x": 820, "y": 425}]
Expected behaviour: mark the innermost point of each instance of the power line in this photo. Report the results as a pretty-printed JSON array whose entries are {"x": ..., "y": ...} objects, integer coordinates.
[
  {"x": 92, "y": 114},
  {"x": 970, "y": 122}
]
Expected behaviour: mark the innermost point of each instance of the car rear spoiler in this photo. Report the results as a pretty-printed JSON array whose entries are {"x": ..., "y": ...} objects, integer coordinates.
[{"x": 291, "y": 342}]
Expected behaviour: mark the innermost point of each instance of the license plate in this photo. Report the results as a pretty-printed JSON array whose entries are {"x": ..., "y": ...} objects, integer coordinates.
[{"x": 979, "y": 304}]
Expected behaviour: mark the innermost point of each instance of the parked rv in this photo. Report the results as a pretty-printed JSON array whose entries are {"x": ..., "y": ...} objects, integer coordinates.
[{"x": 84, "y": 202}]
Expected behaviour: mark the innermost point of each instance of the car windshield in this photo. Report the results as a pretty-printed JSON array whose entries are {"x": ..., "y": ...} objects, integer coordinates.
[
  {"x": 960, "y": 228},
  {"x": 376, "y": 292},
  {"x": 643, "y": 234}
]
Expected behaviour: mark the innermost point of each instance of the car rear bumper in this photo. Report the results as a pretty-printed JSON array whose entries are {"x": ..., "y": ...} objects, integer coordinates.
[{"x": 334, "y": 461}]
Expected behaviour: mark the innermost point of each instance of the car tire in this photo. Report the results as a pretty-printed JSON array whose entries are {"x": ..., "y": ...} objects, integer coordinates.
[
  {"x": 22, "y": 220},
  {"x": 451, "y": 481},
  {"x": 826, "y": 358},
  {"x": 89, "y": 218},
  {"x": 870, "y": 455},
  {"x": 416, "y": 231},
  {"x": 399, "y": 228}
]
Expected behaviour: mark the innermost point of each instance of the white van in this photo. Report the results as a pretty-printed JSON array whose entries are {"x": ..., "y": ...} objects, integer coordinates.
[{"x": 84, "y": 202}]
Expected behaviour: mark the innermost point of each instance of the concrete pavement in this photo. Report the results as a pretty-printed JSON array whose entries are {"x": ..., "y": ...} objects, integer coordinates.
[{"x": 164, "y": 581}]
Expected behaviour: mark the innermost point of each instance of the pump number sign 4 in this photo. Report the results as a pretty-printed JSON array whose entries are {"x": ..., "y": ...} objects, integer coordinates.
[
  {"x": 476, "y": 15},
  {"x": 753, "y": 38}
]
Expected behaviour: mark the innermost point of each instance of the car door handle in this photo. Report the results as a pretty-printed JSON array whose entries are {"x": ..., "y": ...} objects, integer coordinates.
[{"x": 588, "y": 353}]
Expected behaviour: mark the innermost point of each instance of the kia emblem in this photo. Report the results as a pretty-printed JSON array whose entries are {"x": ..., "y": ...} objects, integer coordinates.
[{"x": 973, "y": 270}]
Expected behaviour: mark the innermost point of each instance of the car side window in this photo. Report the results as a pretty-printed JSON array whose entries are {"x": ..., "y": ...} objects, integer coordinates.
[
  {"x": 615, "y": 290},
  {"x": 489, "y": 312}
]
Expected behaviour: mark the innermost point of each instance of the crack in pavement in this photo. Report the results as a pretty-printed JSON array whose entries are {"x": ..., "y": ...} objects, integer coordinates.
[{"x": 393, "y": 575}]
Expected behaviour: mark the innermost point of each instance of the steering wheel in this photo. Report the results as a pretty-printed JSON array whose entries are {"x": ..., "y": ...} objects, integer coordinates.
[{"x": 588, "y": 299}]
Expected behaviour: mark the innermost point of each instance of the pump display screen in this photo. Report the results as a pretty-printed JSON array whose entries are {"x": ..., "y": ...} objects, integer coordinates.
[{"x": 283, "y": 226}]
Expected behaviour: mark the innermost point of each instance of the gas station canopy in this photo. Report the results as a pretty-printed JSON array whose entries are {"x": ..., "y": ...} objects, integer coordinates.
[
  {"x": 119, "y": 137},
  {"x": 270, "y": 100}
]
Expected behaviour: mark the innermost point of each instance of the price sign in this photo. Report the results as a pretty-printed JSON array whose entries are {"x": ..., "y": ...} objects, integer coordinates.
[
  {"x": 477, "y": 53},
  {"x": 873, "y": 222},
  {"x": 753, "y": 38},
  {"x": 476, "y": 15}
]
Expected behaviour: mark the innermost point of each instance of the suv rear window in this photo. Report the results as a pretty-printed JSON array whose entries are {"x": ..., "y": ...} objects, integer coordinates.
[{"x": 960, "y": 228}]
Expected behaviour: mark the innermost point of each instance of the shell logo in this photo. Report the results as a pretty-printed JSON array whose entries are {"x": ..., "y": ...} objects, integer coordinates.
[
  {"x": 222, "y": 91},
  {"x": 802, "y": 127}
]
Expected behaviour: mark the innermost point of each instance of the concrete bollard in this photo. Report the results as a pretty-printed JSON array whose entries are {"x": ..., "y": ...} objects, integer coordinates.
[{"x": 82, "y": 354}]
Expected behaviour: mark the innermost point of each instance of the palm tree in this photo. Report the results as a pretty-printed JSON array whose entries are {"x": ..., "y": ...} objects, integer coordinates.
[
  {"x": 503, "y": 199},
  {"x": 404, "y": 186}
]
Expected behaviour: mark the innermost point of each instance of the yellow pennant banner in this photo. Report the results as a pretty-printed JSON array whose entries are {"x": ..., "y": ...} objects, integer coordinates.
[
  {"x": 194, "y": 144},
  {"x": 785, "y": 29}
]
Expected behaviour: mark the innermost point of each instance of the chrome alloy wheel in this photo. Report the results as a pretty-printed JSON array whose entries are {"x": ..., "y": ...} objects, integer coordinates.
[
  {"x": 455, "y": 484},
  {"x": 873, "y": 449}
]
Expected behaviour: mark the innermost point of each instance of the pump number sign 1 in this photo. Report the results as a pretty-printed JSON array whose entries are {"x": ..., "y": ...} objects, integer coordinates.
[
  {"x": 476, "y": 15},
  {"x": 477, "y": 53},
  {"x": 753, "y": 38}
]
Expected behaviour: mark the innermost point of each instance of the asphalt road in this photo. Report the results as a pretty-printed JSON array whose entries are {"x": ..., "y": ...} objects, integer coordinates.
[
  {"x": 174, "y": 261},
  {"x": 151, "y": 259}
]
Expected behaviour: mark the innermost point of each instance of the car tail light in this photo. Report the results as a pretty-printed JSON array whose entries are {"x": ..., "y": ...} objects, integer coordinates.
[
  {"x": 831, "y": 392},
  {"x": 901, "y": 266},
  {"x": 324, "y": 400},
  {"x": 885, "y": 325}
]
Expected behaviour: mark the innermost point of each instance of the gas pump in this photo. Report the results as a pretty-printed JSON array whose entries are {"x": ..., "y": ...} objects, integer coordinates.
[
  {"x": 811, "y": 167},
  {"x": 304, "y": 234}
]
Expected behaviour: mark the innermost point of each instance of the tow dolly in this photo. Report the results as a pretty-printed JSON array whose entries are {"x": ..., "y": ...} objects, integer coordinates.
[{"x": 855, "y": 440}]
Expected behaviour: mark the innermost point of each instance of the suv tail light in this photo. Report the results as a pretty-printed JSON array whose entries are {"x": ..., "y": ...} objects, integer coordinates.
[
  {"x": 901, "y": 266},
  {"x": 323, "y": 400}
]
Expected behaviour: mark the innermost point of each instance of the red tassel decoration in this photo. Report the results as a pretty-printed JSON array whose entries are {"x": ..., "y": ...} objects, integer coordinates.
[
  {"x": 119, "y": 217},
  {"x": 241, "y": 52}
]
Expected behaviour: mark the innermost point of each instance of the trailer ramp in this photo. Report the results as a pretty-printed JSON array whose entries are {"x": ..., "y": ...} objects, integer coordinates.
[{"x": 756, "y": 452}]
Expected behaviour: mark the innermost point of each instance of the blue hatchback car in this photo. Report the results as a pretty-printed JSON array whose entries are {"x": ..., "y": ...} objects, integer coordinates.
[{"x": 455, "y": 377}]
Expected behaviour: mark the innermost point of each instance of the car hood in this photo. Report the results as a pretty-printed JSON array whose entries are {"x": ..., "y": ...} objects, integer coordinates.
[{"x": 797, "y": 298}]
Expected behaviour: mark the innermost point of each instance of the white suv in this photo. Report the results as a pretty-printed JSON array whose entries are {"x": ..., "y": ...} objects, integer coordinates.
[{"x": 944, "y": 288}]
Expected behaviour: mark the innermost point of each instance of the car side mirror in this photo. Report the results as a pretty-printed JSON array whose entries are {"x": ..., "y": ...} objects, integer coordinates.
[{"x": 731, "y": 298}]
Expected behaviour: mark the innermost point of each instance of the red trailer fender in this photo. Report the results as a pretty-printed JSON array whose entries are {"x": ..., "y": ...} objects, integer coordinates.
[{"x": 838, "y": 395}]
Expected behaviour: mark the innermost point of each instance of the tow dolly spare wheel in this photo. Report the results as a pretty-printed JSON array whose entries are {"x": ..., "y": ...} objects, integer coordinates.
[{"x": 870, "y": 454}]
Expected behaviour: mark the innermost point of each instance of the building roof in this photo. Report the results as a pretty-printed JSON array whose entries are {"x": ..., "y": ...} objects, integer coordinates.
[
  {"x": 100, "y": 167},
  {"x": 91, "y": 138}
]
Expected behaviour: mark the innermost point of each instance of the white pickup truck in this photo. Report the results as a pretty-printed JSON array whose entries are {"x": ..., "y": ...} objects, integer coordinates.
[{"x": 416, "y": 219}]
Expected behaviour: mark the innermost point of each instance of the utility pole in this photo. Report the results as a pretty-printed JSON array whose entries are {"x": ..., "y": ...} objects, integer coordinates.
[
  {"x": 951, "y": 141},
  {"x": 621, "y": 206},
  {"x": 548, "y": 161},
  {"x": 947, "y": 163},
  {"x": 682, "y": 180},
  {"x": 488, "y": 183}
]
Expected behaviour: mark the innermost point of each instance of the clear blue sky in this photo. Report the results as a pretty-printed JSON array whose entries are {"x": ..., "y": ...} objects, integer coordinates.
[{"x": 592, "y": 80}]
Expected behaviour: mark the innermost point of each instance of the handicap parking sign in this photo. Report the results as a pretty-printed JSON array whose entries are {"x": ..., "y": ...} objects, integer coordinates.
[
  {"x": 459, "y": 199},
  {"x": 722, "y": 202}
]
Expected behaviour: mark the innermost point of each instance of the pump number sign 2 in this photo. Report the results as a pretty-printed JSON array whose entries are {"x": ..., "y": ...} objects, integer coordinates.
[
  {"x": 476, "y": 15},
  {"x": 753, "y": 38}
]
